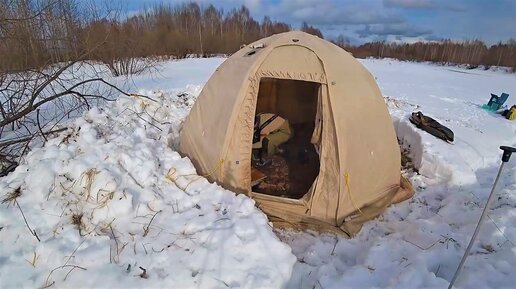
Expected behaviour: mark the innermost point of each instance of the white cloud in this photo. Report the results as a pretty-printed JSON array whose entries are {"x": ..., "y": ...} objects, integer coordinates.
[
  {"x": 324, "y": 12},
  {"x": 424, "y": 4},
  {"x": 409, "y": 3},
  {"x": 399, "y": 29},
  {"x": 491, "y": 21}
]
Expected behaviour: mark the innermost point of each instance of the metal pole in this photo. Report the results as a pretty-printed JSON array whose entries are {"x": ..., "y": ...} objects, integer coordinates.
[
  {"x": 484, "y": 213},
  {"x": 507, "y": 151}
]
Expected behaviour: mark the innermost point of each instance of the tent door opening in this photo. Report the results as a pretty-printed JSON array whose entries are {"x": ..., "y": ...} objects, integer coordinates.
[{"x": 285, "y": 162}]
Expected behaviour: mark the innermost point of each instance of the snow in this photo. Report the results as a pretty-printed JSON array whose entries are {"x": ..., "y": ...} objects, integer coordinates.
[
  {"x": 419, "y": 243},
  {"x": 111, "y": 195},
  {"x": 174, "y": 74}
]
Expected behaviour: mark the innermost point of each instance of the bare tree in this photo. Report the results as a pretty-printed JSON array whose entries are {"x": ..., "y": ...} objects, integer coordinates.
[
  {"x": 36, "y": 103},
  {"x": 55, "y": 80},
  {"x": 311, "y": 30}
]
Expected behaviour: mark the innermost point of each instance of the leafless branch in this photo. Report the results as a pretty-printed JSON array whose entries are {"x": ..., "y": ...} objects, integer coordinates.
[
  {"x": 28, "y": 138},
  {"x": 30, "y": 17},
  {"x": 33, "y": 232}
]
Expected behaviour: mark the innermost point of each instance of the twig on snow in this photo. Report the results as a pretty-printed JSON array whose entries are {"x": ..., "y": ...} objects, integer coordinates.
[
  {"x": 66, "y": 265},
  {"x": 33, "y": 232},
  {"x": 130, "y": 175},
  {"x": 334, "y": 246},
  {"x": 147, "y": 227},
  {"x": 144, "y": 273},
  {"x": 141, "y": 95},
  {"x": 34, "y": 259},
  {"x": 424, "y": 249},
  {"x": 73, "y": 267},
  {"x": 116, "y": 244}
]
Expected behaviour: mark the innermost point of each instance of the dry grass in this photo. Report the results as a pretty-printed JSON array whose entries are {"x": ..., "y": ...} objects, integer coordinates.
[
  {"x": 11, "y": 197},
  {"x": 77, "y": 221},
  {"x": 407, "y": 164},
  {"x": 35, "y": 257},
  {"x": 147, "y": 227},
  {"x": 65, "y": 265},
  {"x": 90, "y": 176}
]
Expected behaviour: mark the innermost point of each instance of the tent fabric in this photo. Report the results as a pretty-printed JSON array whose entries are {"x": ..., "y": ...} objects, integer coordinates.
[
  {"x": 292, "y": 99},
  {"x": 359, "y": 153}
]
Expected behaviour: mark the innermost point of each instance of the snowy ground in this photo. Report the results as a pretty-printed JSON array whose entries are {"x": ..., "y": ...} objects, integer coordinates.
[
  {"x": 110, "y": 196},
  {"x": 115, "y": 207},
  {"x": 419, "y": 243}
]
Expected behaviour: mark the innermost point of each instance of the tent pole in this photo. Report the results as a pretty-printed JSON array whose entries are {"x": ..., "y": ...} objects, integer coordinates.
[{"x": 507, "y": 151}]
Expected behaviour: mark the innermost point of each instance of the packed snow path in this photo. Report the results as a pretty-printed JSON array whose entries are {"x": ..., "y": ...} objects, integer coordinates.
[{"x": 110, "y": 196}]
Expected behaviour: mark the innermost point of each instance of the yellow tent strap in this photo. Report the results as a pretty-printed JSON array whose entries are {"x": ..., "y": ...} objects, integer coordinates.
[
  {"x": 216, "y": 169},
  {"x": 346, "y": 178}
]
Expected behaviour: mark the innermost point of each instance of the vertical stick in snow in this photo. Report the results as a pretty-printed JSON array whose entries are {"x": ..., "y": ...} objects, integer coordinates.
[{"x": 507, "y": 151}]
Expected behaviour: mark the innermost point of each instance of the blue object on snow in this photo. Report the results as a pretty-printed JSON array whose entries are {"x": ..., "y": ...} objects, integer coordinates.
[{"x": 496, "y": 102}]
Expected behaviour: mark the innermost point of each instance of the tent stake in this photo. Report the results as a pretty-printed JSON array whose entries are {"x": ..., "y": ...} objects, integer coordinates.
[{"x": 507, "y": 151}]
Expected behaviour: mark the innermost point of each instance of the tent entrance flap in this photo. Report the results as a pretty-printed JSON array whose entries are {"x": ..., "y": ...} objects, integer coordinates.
[{"x": 283, "y": 156}]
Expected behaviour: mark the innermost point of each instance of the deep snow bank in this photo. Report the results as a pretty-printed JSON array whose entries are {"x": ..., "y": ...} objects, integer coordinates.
[{"x": 109, "y": 199}]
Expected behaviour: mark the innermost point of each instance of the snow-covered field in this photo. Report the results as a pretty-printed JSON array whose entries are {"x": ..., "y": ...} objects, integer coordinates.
[
  {"x": 419, "y": 243},
  {"x": 114, "y": 206}
]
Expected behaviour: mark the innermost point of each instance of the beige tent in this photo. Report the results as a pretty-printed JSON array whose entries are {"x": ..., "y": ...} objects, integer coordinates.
[{"x": 304, "y": 79}]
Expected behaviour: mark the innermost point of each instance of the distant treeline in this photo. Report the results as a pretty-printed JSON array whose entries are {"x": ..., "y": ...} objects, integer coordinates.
[
  {"x": 35, "y": 33},
  {"x": 473, "y": 53},
  {"x": 179, "y": 31}
]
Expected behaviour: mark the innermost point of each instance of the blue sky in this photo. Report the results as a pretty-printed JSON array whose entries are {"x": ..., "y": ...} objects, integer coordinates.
[{"x": 393, "y": 20}]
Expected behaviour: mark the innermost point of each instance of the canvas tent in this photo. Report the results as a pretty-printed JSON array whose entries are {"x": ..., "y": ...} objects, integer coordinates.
[{"x": 359, "y": 172}]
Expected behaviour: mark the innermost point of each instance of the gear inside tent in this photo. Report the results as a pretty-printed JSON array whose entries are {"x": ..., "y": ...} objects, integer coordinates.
[{"x": 336, "y": 163}]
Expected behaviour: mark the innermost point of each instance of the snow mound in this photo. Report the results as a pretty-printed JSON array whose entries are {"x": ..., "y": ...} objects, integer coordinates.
[{"x": 114, "y": 206}]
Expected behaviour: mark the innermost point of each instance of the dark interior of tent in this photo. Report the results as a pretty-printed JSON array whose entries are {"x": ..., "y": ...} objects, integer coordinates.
[{"x": 291, "y": 171}]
